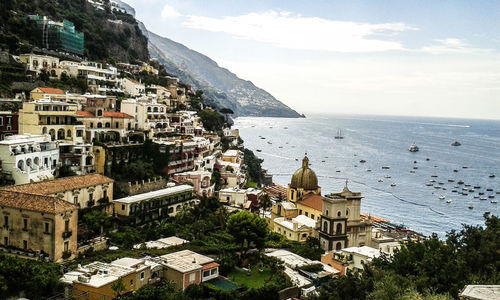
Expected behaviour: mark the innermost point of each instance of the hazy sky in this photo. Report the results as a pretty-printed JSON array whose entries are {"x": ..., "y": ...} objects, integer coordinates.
[{"x": 427, "y": 58}]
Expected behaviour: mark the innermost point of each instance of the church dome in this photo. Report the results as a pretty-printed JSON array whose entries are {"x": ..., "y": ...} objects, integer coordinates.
[{"x": 304, "y": 177}]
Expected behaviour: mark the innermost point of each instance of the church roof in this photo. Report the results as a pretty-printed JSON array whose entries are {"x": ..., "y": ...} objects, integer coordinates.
[
  {"x": 312, "y": 200},
  {"x": 304, "y": 177}
]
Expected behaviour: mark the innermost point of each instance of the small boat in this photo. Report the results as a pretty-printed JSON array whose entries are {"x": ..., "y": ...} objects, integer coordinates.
[
  {"x": 476, "y": 197},
  {"x": 432, "y": 180},
  {"x": 442, "y": 197},
  {"x": 269, "y": 143},
  {"x": 258, "y": 150},
  {"x": 451, "y": 180},
  {"x": 441, "y": 183},
  {"x": 493, "y": 201},
  {"x": 464, "y": 167},
  {"x": 467, "y": 184},
  {"x": 362, "y": 161},
  {"x": 339, "y": 134},
  {"x": 460, "y": 182},
  {"x": 369, "y": 170},
  {"x": 489, "y": 190},
  {"x": 428, "y": 184},
  {"x": 338, "y": 171},
  {"x": 471, "y": 206},
  {"x": 498, "y": 192},
  {"x": 387, "y": 176},
  {"x": 491, "y": 196},
  {"x": 464, "y": 194},
  {"x": 491, "y": 175},
  {"x": 414, "y": 161},
  {"x": 482, "y": 198},
  {"x": 412, "y": 171},
  {"x": 380, "y": 180},
  {"x": 262, "y": 138},
  {"x": 435, "y": 166},
  {"x": 413, "y": 148},
  {"x": 456, "y": 143},
  {"x": 386, "y": 167},
  {"x": 456, "y": 171},
  {"x": 437, "y": 187},
  {"x": 453, "y": 191},
  {"x": 280, "y": 147},
  {"x": 434, "y": 176},
  {"x": 444, "y": 189},
  {"x": 415, "y": 168},
  {"x": 481, "y": 193},
  {"x": 322, "y": 161},
  {"x": 285, "y": 127},
  {"x": 427, "y": 159},
  {"x": 477, "y": 187},
  {"x": 448, "y": 201},
  {"x": 472, "y": 190},
  {"x": 465, "y": 189},
  {"x": 393, "y": 184}
]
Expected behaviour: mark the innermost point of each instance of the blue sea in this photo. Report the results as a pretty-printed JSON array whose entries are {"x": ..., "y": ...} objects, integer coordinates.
[{"x": 384, "y": 141}]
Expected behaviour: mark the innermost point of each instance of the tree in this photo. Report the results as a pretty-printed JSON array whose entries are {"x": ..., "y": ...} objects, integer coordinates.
[
  {"x": 226, "y": 112},
  {"x": 265, "y": 202},
  {"x": 249, "y": 230}
]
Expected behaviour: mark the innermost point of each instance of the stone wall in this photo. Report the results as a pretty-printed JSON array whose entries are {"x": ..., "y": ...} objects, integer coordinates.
[{"x": 144, "y": 186}]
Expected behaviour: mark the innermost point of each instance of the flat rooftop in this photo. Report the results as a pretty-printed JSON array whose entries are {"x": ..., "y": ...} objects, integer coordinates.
[
  {"x": 155, "y": 194},
  {"x": 185, "y": 260}
]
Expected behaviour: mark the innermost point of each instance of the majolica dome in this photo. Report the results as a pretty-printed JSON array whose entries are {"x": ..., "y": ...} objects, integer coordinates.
[{"x": 304, "y": 177}]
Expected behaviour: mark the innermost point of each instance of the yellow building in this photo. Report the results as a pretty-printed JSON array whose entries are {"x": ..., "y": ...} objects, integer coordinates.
[
  {"x": 296, "y": 229},
  {"x": 304, "y": 181},
  {"x": 56, "y": 118},
  {"x": 311, "y": 206},
  {"x": 83, "y": 191},
  {"x": 38, "y": 224},
  {"x": 41, "y": 93}
]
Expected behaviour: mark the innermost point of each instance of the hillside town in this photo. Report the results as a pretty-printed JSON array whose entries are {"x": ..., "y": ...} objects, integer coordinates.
[{"x": 120, "y": 180}]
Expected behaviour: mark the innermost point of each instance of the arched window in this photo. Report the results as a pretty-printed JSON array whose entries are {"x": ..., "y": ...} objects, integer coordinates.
[
  {"x": 99, "y": 113},
  {"x": 91, "y": 125},
  {"x": 149, "y": 109},
  {"x": 327, "y": 212},
  {"x": 108, "y": 125},
  {"x": 346, "y": 212},
  {"x": 338, "y": 213},
  {"x": 68, "y": 133},
  {"x": 325, "y": 227},
  {"x": 155, "y": 109},
  {"x": 339, "y": 228},
  {"x": 36, "y": 161},
  {"x": 99, "y": 125},
  {"x": 20, "y": 165},
  {"x": 338, "y": 246},
  {"x": 44, "y": 130}
]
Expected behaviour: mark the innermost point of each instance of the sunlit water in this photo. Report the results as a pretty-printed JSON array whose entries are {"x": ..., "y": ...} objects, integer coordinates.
[{"x": 384, "y": 141}]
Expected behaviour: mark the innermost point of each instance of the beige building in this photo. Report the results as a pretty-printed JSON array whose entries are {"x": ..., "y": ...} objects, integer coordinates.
[
  {"x": 296, "y": 229},
  {"x": 106, "y": 126},
  {"x": 83, "y": 191},
  {"x": 44, "y": 93},
  {"x": 132, "y": 87},
  {"x": 56, "y": 118},
  {"x": 187, "y": 267},
  {"x": 148, "y": 115},
  {"x": 200, "y": 180},
  {"x": 352, "y": 258},
  {"x": 29, "y": 158},
  {"x": 37, "y": 224},
  {"x": 233, "y": 196},
  {"x": 311, "y": 205},
  {"x": 36, "y": 63}
]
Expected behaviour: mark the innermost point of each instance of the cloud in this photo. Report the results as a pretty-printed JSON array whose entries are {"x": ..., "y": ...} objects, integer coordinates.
[
  {"x": 169, "y": 12},
  {"x": 287, "y": 30},
  {"x": 451, "y": 45}
]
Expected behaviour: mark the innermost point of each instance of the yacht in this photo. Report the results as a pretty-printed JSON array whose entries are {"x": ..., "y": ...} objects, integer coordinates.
[
  {"x": 413, "y": 148},
  {"x": 441, "y": 197},
  {"x": 339, "y": 135},
  {"x": 456, "y": 143}
]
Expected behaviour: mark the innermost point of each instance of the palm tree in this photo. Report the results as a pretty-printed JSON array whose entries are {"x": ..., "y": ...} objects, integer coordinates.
[{"x": 265, "y": 202}]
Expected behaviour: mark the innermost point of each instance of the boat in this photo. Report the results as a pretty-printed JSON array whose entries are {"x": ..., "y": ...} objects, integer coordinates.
[
  {"x": 441, "y": 197},
  {"x": 460, "y": 182},
  {"x": 432, "y": 180},
  {"x": 393, "y": 184},
  {"x": 437, "y": 187},
  {"x": 464, "y": 194},
  {"x": 472, "y": 190},
  {"x": 491, "y": 175},
  {"x": 489, "y": 190},
  {"x": 444, "y": 189},
  {"x": 456, "y": 143},
  {"x": 491, "y": 196},
  {"x": 322, "y": 161},
  {"x": 467, "y": 184},
  {"x": 387, "y": 176},
  {"x": 269, "y": 143},
  {"x": 258, "y": 150},
  {"x": 441, "y": 183},
  {"x": 362, "y": 161},
  {"x": 427, "y": 159},
  {"x": 477, "y": 187},
  {"x": 481, "y": 193},
  {"x": 482, "y": 198},
  {"x": 428, "y": 184},
  {"x": 262, "y": 138},
  {"x": 451, "y": 180},
  {"x": 380, "y": 180},
  {"x": 386, "y": 167},
  {"x": 414, "y": 161},
  {"x": 456, "y": 171},
  {"x": 434, "y": 176},
  {"x": 415, "y": 168},
  {"x": 498, "y": 192},
  {"x": 493, "y": 201},
  {"x": 448, "y": 201},
  {"x": 476, "y": 197},
  {"x": 412, "y": 171},
  {"x": 285, "y": 127},
  {"x": 453, "y": 191},
  {"x": 464, "y": 167},
  {"x": 339, "y": 134},
  {"x": 338, "y": 171},
  {"x": 471, "y": 206},
  {"x": 413, "y": 148},
  {"x": 369, "y": 170}
]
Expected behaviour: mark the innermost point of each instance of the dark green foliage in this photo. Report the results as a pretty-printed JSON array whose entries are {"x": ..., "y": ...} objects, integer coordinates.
[
  {"x": 249, "y": 230},
  {"x": 254, "y": 167},
  {"x": 65, "y": 171},
  {"x": 212, "y": 121},
  {"x": 353, "y": 286},
  {"x": 313, "y": 268},
  {"x": 35, "y": 278}
]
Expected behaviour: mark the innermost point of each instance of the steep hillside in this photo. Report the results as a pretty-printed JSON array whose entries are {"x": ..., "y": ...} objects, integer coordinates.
[
  {"x": 109, "y": 35},
  {"x": 227, "y": 89}
]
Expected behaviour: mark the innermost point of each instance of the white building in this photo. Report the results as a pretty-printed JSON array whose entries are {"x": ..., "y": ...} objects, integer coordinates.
[
  {"x": 356, "y": 257},
  {"x": 148, "y": 114},
  {"x": 29, "y": 158},
  {"x": 132, "y": 87},
  {"x": 233, "y": 196}
]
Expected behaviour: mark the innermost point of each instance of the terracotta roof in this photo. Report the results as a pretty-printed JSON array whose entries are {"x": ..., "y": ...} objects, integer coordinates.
[
  {"x": 313, "y": 201},
  {"x": 33, "y": 202},
  {"x": 62, "y": 184},
  {"x": 275, "y": 190},
  {"x": 82, "y": 113},
  {"x": 51, "y": 91},
  {"x": 210, "y": 266},
  {"x": 113, "y": 114}
]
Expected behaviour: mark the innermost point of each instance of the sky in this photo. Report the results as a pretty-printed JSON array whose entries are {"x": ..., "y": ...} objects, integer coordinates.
[{"x": 419, "y": 58}]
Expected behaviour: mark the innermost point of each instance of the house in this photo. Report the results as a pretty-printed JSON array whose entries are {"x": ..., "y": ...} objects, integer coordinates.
[
  {"x": 232, "y": 156},
  {"x": 148, "y": 114},
  {"x": 9, "y": 124},
  {"x": 38, "y": 225},
  {"x": 162, "y": 243},
  {"x": 201, "y": 181},
  {"x": 352, "y": 258},
  {"x": 37, "y": 63},
  {"x": 187, "y": 267},
  {"x": 44, "y": 93},
  {"x": 83, "y": 191},
  {"x": 132, "y": 87},
  {"x": 106, "y": 126},
  {"x": 154, "y": 205},
  {"x": 297, "y": 229},
  {"x": 233, "y": 196},
  {"x": 28, "y": 158}
]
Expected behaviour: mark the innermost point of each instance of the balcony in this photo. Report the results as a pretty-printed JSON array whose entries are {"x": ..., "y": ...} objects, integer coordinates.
[{"x": 67, "y": 234}]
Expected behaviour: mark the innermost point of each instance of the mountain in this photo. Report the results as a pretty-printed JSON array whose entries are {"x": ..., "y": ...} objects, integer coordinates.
[{"x": 221, "y": 87}]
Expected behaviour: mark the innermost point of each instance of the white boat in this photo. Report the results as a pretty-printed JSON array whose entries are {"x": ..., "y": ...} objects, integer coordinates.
[
  {"x": 339, "y": 135},
  {"x": 413, "y": 148},
  {"x": 441, "y": 197},
  {"x": 393, "y": 184},
  {"x": 493, "y": 201},
  {"x": 448, "y": 201}
]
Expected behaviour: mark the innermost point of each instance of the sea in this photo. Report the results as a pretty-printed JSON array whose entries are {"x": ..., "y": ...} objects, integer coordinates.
[{"x": 403, "y": 192}]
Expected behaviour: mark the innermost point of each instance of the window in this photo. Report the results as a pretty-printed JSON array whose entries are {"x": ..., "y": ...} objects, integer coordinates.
[
  {"x": 79, "y": 133},
  {"x": 1, "y": 121},
  {"x": 91, "y": 125},
  {"x": 6, "y": 221},
  {"x": 25, "y": 224},
  {"x": 99, "y": 113},
  {"x": 192, "y": 277},
  {"x": 91, "y": 196},
  {"x": 66, "y": 225},
  {"x": 117, "y": 125},
  {"x": 326, "y": 212},
  {"x": 206, "y": 273},
  {"x": 66, "y": 246},
  {"x": 213, "y": 271},
  {"x": 123, "y": 207},
  {"x": 339, "y": 228},
  {"x": 131, "y": 282},
  {"x": 346, "y": 212},
  {"x": 75, "y": 199},
  {"x": 142, "y": 275},
  {"x": 304, "y": 235},
  {"x": 300, "y": 211},
  {"x": 46, "y": 227},
  {"x": 25, "y": 244},
  {"x": 307, "y": 214},
  {"x": 68, "y": 133},
  {"x": 312, "y": 216},
  {"x": 339, "y": 213},
  {"x": 325, "y": 226}
]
